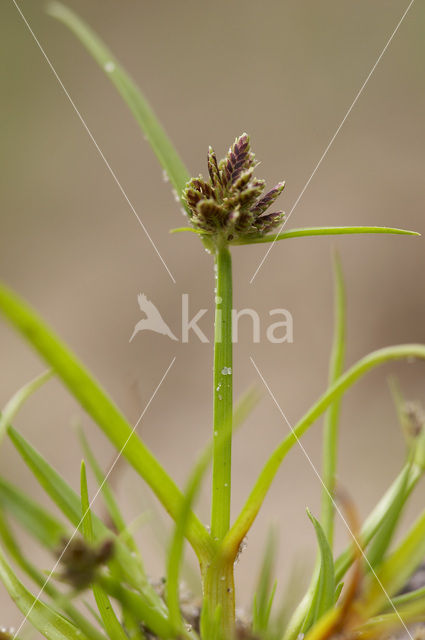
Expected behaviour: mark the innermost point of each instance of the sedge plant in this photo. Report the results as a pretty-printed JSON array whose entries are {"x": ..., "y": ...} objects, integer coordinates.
[{"x": 230, "y": 208}]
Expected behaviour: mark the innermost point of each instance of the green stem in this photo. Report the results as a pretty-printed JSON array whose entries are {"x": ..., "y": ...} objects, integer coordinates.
[
  {"x": 223, "y": 396},
  {"x": 218, "y": 611},
  {"x": 218, "y": 581}
]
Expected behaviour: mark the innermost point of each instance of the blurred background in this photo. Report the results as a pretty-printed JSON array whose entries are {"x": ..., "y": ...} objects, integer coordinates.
[{"x": 286, "y": 72}]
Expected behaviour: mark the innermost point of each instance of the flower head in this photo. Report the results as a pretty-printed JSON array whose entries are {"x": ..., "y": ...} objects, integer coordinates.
[{"x": 230, "y": 204}]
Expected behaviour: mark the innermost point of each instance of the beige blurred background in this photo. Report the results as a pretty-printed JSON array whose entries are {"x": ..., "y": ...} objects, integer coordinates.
[{"x": 285, "y": 72}]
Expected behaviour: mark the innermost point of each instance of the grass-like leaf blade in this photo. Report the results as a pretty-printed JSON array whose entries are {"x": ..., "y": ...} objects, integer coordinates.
[
  {"x": 110, "y": 621},
  {"x": 382, "y": 539},
  {"x": 397, "y": 567},
  {"x": 410, "y": 596},
  {"x": 46, "y": 620},
  {"x": 323, "y": 231},
  {"x": 139, "y": 607},
  {"x": 253, "y": 504},
  {"x": 11, "y": 545},
  {"x": 69, "y": 503},
  {"x": 330, "y": 430},
  {"x": 388, "y": 625},
  {"x": 330, "y": 448},
  {"x": 176, "y": 548},
  {"x": 264, "y": 593},
  {"x": 101, "y": 408},
  {"x": 36, "y": 520},
  {"x": 18, "y": 399},
  {"x": 324, "y": 595},
  {"x": 109, "y": 498},
  {"x": 377, "y": 516},
  {"x": 143, "y": 113}
]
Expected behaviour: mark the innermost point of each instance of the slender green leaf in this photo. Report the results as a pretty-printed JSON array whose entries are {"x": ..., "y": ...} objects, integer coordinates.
[
  {"x": 391, "y": 624},
  {"x": 69, "y": 503},
  {"x": 18, "y": 399},
  {"x": 299, "y": 613},
  {"x": 307, "y": 232},
  {"x": 109, "y": 618},
  {"x": 397, "y": 568},
  {"x": 31, "y": 516},
  {"x": 322, "y": 231},
  {"x": 405, "y": 598},
  {"x": 330, "y": 433},
  {"x": 338, "y": 590},
  {"x": 413, "y": 426},
  {"x": 325, "y": 627},
  {"x": 132, "y": 627},
  {"x": 138, "y": 606},
  {"x": 324, "y": 596},
  {"x": 288, "y": 600},
  {"x": 264, "y": 593},
  {"x": 265, "y": 479},
  {"x": 13, "y": 549},
  {"x": 375, "y": 519},
  {"x": 109, "y": 498},
  {"x": 382, "y": 539},
  {"x": 46, "y": 620},
  {"x": 94, "y": 613},
  {"x": 270, "y": 602},
  {"x": 408, "y": 477},
  {"x": 51, "y": 481},
  {"x": 175, "y": 552},
  {"x": 410, "y": 596},
  {"x": 15, "y": 552},
  {"x": 191, "y": 229},
  {"x": 86, "y": 522},
  {"x": 330, "y": 447},
  {"x": 143, "y": 113},
  {"x": 103, "y": 411}
]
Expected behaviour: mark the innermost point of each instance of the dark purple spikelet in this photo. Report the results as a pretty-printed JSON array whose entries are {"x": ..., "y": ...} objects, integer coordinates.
[
  {"x": 230, "y": 204},
  {"x": 264, "y": 203},
  {"x": 238, "y": 158}
]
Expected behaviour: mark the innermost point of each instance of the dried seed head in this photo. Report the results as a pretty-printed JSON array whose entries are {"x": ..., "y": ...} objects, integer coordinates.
[
  {"x": 230, "y": 205},
  {"x": 81, "y": 561},
  {"x": 413, "y": 420}
]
